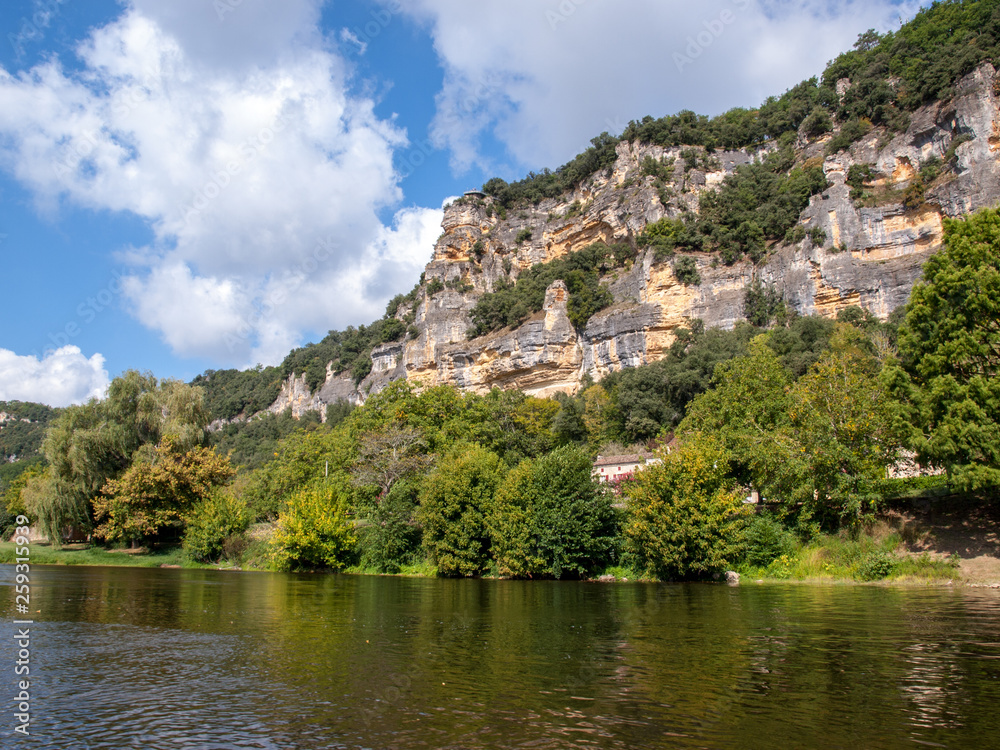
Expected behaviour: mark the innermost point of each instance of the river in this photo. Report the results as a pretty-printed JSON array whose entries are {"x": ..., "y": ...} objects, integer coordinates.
[{"x": 151, "y": 659}]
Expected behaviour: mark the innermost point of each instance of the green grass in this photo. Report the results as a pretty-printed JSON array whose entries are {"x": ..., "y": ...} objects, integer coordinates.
[
  {"x": 45, "y": 554},
  {"x": 875, "y": 554}
]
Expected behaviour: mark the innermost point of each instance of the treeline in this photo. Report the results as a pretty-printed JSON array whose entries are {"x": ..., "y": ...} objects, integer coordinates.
[
  {"x": 890, "y": 76},
  {"x": 811, "y": 414},
  {"x": 232, "y": 393}
]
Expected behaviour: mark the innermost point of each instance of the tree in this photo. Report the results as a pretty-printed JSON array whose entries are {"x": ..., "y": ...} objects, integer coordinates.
[
  {"x": 315, "y": 530},
  {"x": 550, "y": 519},
  {"x": 841, "y": 415},
  {"x": 947, "y": 380},
  {"x": 388, "y": 455},
  {"x": 91, "y": 444},
  {"x": 216, "y": 518},
  {"x": 453, "y": 504},
  {"x": 747, "y": 412},
  {"x": 685, "y": 515},
  {"x": 152, "y": 495}
]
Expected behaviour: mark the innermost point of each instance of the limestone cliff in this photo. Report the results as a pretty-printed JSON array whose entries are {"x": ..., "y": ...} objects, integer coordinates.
[{"x": 872, "y": 255}]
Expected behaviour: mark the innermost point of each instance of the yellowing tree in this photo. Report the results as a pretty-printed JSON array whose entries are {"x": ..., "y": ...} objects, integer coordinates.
[
  {"x": 685, "y": 516},
  {"x": 151, "y": 495}
]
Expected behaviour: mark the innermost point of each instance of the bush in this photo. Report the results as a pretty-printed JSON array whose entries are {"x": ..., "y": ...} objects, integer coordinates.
[
  {"x": 686, "y": 271},
  {"x": 211, "y": 522},
  {"x": 314, "y": 531},
  {"x": 551, "y": 520},
  {"x": 523, "y": 236},
  {"x": 766, "y": 540},
  {"x": 876, "y": 565},
  {"x": 685, "y": 516}
]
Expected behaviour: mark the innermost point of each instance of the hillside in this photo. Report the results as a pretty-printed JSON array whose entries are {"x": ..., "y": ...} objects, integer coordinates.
[{"x": 830, "y": 196}]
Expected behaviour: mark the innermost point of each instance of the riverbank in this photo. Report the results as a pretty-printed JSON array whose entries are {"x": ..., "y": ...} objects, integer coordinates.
[{"x": 920, "y": 542}]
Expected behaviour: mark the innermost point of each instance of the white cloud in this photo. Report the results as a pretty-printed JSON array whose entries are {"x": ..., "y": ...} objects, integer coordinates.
[
  {"x": 62, "y": 377},
  {"x": 238, "y": 141},
  {"x": 545, "y": 77}
]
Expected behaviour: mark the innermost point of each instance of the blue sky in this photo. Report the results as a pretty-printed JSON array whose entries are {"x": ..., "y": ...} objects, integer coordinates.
[{"x": 208, "y": 183}]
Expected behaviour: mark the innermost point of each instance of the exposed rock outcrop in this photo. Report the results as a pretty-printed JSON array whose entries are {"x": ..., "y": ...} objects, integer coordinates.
[{"x": 872, "y": 255}]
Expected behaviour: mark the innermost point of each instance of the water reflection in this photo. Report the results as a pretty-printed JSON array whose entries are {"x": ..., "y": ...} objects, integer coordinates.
[{"x": 205, "y": 659}]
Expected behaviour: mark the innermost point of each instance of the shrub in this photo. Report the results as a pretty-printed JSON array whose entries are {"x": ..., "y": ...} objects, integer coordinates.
[
  {"x": 686, "y": 270},
  {"x": 876, "y": 565},
  {"x": 314, "y": 531},
  {"x": 211, "y": 522},
  {"x": 766, "y": 540},
  {"x": 523, "y": 236},
  {"x": 435, "y": 286},
  {"x": 550, "y": 519},
  {"x": 685, "y": 516}
]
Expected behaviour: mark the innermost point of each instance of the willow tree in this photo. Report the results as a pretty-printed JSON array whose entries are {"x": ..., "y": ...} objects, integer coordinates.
[{"x": 90, "y": 444}]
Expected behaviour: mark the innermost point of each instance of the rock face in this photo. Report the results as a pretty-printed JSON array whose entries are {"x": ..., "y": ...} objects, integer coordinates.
[{"x": 871, "y": 257}]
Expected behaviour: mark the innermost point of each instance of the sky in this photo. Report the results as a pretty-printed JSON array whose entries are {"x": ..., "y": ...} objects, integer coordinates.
[{"x": 206, "y": 184}]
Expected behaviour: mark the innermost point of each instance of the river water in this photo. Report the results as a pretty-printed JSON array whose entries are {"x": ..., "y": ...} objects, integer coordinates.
[{"x": 151, "y": 659}]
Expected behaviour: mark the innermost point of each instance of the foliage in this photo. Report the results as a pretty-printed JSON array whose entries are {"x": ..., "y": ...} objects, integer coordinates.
[
  {"x": 22, "y": 439},
  {"x": 231, "y": 393},
  {"x": 510, "y": 305},
  {"x": 302, "y": 459},
  {"x": 685, "y": 515},
  {"x": 535, "y": 187},
  {"x": 747, "y": 412},
  {"x": 210, "y": 522},
  {"x": 652, "y": 398},
  {"x": 454, "y": 501},
  {"x": 389, "y": 536},
  {"x": 876, "y": 565},
  {"x": 54, "y": 512},
  {"x": 757, "y": 203},
  {"x": 549, "y": 519},
  {"x": 669, "y": 235},
  {"x": 946, "y": 382},
  {"x": 762, "y": 304},
  {"x": 686, "y": 270},
  {"x": 841, "y": 415},
  {"x": 927, "y": 55},
  {"x": 765, "y": 539},
  {"x": 251, "y": 444},
  {"x": 315, "y": 530},
  {"x": 152, "y": 495},
  {"x": 388, "y": 455},
  {"x": 89, "y": 445}
]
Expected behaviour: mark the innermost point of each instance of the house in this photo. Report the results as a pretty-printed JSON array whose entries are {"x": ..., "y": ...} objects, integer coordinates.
[{"x": 613, "y": 468}]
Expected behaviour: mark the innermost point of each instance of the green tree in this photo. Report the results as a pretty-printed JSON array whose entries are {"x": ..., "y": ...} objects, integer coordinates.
[
  {"x": 315, "y": 530},
  {"x": 212, "y": 521},
  {"x": 152, "y": 495},
  {"x": 747, "y": 411},
  {"x": 453, "y": 504},
  {"x": 550, "y": 519},
  {"x": 842, "y": 418},
  {"x": 685, "y": 516},
  {"x": 91, "y": 444},
  {"x": 947, "y": 379}
]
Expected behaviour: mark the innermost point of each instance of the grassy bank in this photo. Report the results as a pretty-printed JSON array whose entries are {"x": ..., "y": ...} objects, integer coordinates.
[{"x": 83, "y": 554}]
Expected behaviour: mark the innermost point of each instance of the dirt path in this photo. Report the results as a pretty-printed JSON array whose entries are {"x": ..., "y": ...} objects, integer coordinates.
[{"x": 944, "y": 528}]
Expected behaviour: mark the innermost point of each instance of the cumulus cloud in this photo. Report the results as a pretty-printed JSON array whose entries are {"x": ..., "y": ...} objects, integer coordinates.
[
  {"x": 545, "y": 77},
  {"x": 60, "y": 378},
  {"x": 235, "y": 137}
]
